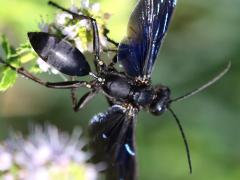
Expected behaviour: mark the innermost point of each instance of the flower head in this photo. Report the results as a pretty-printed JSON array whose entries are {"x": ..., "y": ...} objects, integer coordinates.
[
  {"x": 79, "y": 32},
  {"x": 85, "y": 4},
  {"x": 47, "y": 154}
]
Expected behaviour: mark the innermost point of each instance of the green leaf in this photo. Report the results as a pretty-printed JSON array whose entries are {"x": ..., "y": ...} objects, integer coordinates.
[
  {"x": 14, "y": 61},
  {"x": 26, "y": 57},
  {"x": 25, "y": 46},
  {"x": 35, "y": 69},
  {"x": 2, "y": 53},
  {"x": 6, "y": 47},
  {"x": 8, "y": 78},
  {"x": 2, "y": 69}
]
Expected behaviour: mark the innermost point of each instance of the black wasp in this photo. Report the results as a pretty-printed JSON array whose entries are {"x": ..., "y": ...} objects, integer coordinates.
[{"x": 127, "y": 92}]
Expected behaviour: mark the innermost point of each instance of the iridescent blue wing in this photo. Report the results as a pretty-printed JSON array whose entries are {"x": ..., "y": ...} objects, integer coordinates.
[
  {"x": 113, "y": 142},
  {"x": 147, "y": 27}
]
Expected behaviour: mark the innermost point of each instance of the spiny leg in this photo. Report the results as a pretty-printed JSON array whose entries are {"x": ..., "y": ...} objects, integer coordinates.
[
  {"x": 116, "y": 44},
  {"x": 109, "y": 101},
  {"x": 96, "y": 43},
  {"x": 55, "y": 85},
  {"x": 113, "y": 62},
  {"x": 105, "y": 33},
  {"x": 77, "y": 105}
]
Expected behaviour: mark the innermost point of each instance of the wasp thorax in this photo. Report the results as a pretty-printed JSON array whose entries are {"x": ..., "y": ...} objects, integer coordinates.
[{"x": 161, "y": 100}]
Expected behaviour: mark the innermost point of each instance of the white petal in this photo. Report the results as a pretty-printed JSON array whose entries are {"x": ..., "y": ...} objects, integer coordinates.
[
  {"x": 91, "y": 173},
  {"x": 90, "y": 47},
  {"x": 85, "y": 4},
  {"x": 70, "y": 31},
  {"x": 8, "y": 177},
  {"x": 74, "y": 9},
  {"x": 103, "y": 41},
  {"x": 43, "y": 27},
  {"x": 61, "y": 18},
  {"x": 79, "y": 44},
  {"x": 83, "y": 23},
  {"x": 96, "y": 7},
  {"x": 5, "y": 161},
  {"x": 42, "y": 65},
  {"x": 38, "y": 174},
  {"x": 42, "y": 155},
  {"x": 54, "y": 71}
]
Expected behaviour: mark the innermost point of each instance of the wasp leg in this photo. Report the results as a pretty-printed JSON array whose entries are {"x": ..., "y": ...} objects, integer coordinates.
[
  {"x": 109, "y": 101},
  {"x": 113, "y": 62},
  {"x": 105, "y": 33},
  {"x": 77, "y": 105},
  {"x": 99, "y": 64},
  {"x": 55, "y": 85}
]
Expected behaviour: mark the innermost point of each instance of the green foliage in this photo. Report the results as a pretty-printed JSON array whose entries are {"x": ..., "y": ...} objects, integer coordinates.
[
  {"x": 202, "y": 37},
  {"x": 78, "y": 32},
  {"x": 25, "y": 53},
  {"x": 15, "y": 58},
  {"x": 7, "y": 76},
  {"x": 5, "y": 48}
]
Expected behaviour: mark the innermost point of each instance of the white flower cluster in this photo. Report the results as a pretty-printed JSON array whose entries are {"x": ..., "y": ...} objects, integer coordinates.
[
  {"x": 95, "y": 7},
  {"x": 46, "y": 154},
  {"x": 77, "y": 32}
]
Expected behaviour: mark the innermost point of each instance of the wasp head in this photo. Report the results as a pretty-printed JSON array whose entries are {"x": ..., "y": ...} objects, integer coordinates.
[{"x": 161, "y": 100}]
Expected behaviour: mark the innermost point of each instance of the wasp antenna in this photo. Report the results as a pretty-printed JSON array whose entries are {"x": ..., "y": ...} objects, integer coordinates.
[
  {"x": 209, "y": 83},
  {"x": 184, "y": 139}
]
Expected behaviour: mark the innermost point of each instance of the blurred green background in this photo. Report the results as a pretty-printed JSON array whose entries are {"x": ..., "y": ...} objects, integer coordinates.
[{"x": 203, "y": 37}]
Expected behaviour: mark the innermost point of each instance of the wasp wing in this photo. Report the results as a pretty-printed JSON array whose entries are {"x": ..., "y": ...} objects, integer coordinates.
[
  {"x": 59, "y": 53},
  {"x": 113, "y": 142},
  {"x": 147, "y": 27}
]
